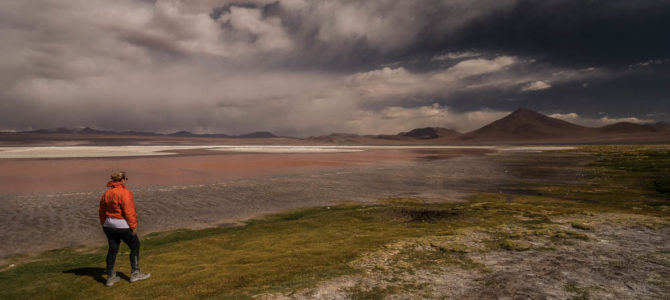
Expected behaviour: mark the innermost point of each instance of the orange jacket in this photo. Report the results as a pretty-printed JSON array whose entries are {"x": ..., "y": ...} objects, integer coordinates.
[{"x": 117, "y": 202}]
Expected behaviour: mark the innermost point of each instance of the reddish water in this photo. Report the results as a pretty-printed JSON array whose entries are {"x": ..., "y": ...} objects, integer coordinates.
[{"x": 190, "y": 167}]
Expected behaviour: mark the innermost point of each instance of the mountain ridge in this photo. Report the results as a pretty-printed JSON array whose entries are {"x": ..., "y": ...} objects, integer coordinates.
[
  {"x": 521, "y": 126},
  {"x": 182, "y": 133}
]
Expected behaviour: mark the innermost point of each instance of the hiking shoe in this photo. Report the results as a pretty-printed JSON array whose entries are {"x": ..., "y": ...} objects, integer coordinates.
[
  {"x": 112, "y": 279},
  {"x": 137, "y": 276}
]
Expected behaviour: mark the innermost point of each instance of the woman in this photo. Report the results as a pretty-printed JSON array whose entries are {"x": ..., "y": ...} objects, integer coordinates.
[{"x": 119, "y": 222}]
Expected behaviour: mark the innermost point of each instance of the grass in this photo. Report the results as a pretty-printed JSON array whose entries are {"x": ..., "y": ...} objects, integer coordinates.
[
  {"x": 293, "y": 250},
  {"x": 580, "y": 225},
  {"x": 515, "y": 245},
  {"x": 579, "y": 293}
]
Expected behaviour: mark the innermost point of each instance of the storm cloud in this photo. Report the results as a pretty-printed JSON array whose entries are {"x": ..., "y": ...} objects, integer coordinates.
[{"x": 298, "y": 67}]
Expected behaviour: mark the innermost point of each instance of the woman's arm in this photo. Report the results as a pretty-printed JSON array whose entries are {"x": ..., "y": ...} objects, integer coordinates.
[
  {"x": 128, "y": 208},
  {"x": 101, "y": 210}
]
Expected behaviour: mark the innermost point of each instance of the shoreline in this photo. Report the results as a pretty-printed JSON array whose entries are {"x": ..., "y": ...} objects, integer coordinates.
[
  {"x": 67, "y": 218},
  {"x": 188, "y": 167},
  {"x": 22, "y": 153}
]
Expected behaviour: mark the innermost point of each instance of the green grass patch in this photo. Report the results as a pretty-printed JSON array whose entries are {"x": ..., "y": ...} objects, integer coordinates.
[
  {"x": 580, "y": 225},
  {"x": 516, "y": 245},
  {"x": 281, "y": 252}
]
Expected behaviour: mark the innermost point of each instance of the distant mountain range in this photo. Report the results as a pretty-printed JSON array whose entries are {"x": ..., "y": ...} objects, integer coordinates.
[
  {"x": 429, "y": 133},
  {"x": 525, "y": 124},
  {"x": 90, "y": 131},
  {"x": 522, "y": 126}
]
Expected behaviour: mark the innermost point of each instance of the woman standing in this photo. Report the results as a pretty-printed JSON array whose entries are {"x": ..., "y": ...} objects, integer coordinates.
[{"x": 119, "y": 222}]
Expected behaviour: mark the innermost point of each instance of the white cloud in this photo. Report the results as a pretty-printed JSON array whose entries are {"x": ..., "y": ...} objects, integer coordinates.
[
  {"x": 597, "y": 122},
  {"x": 651, "y": 62},
  {"x": 388, "y": 84},
  {"x": 456, "y": 55},
  {"x": 478, "y": 66},
  {"x": 570, "y": 117},
  {"x": 607, "y": 120},
  {"x": 535, "y": 86},
  {"x": 396, "y": 119}
]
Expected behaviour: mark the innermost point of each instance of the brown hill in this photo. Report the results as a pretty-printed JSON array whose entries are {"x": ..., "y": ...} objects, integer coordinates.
[
  {"x": 627, "y": 127},
  {"x": 182, "y": 134},
  {"x": 430, "y": 133},
  {"x": 337, "y": 138},
  {"x": 257, "y": 135},
  {"x": 525, "y": 124},
  {"x": 662, "y": 125},
  {"x": 355, "y": 139}
]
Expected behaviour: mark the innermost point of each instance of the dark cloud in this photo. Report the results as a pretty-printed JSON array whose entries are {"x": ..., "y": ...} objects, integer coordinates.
[
  {"x": 304, "y": 67},
  {"x": 360, "y": 35},
  {"x": 573, "y": 33},
  {"x": 622, "y": 94},
  {"x": 586, "y": 33}
]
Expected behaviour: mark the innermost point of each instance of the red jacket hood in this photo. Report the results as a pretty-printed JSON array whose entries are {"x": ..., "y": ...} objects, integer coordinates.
[{"x": 114, "y": 184}]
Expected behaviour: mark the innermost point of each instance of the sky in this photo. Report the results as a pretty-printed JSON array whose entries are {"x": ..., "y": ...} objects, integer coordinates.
[{"x": 311, "y": 67}]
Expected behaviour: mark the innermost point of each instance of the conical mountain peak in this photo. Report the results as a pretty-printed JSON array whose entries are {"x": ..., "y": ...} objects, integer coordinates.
[{"x": 524, "y": 123}]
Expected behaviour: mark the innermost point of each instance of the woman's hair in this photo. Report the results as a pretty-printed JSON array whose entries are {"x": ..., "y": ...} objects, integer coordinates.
[{"x": 119, "y": 176}]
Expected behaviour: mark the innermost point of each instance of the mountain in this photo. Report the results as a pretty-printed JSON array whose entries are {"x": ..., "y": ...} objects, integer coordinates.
[
  {"x": 520, "y": 127},
  {"x": 91, "y": 131},
  {"x": 60, "y": 130},
  {"x": 430, "y": 133},
  {"x": 627, "y": 127},
  {"x": 661, "y": 125},
  {"x": 215, "y": 135},
  {"x": 257, "y": 135},
  {"x": 182, "y": 133},
  {"x": 132, "y": 132},
  {"x": 88, "y": 130},
  {"x": 525, "y": 124},
  {"x": 253, "y": 135},
  {"x": 339, "y": 139}
]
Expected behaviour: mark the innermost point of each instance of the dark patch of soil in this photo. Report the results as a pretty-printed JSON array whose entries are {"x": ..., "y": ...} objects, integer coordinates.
[
  {"x": 426, "y": 215},
  {"x": 662, "y": 185},
  {"x": 440, "y": 154}
]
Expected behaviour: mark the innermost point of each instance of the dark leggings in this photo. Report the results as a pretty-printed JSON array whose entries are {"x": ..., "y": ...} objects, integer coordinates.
[{"x": 114, "y": 237}]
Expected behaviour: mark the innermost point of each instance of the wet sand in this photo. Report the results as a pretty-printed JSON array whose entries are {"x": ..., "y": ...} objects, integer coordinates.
[{"x": 52, "y": 203}]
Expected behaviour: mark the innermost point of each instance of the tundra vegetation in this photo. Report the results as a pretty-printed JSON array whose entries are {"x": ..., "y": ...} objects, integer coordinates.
[{"x": 602, "y": 235}]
